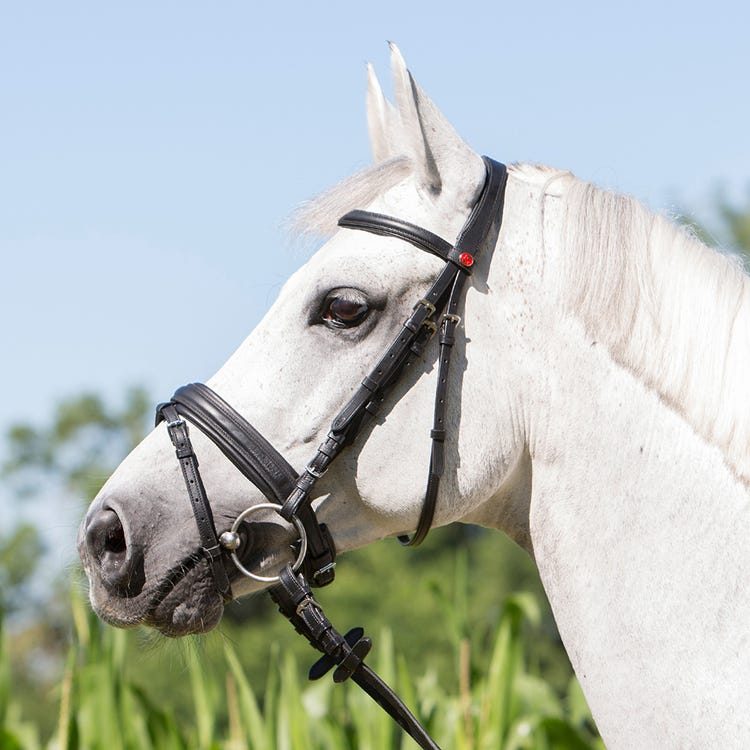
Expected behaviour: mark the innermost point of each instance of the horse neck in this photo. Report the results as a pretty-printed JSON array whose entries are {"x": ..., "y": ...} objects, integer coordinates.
[
  {"x": 668, "y": 308},
  {"x": 640, "y": 527}
]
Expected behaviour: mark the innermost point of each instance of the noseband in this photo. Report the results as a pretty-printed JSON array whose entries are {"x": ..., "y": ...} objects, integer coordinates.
[{"x": 289, "y": 492}]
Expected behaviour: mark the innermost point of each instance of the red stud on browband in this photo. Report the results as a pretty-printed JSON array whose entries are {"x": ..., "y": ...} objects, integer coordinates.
[{"x": 466, "y": 259}]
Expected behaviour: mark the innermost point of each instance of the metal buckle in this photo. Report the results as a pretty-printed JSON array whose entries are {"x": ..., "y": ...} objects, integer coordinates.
[
  {"x": 308, "y": 601},
  {"x": 314, "y": 472},
  {"x": 302, "y": 542},
  {"x": 451, "y": 318},
  {"x": 319, "y": 573},
  {"x": 430, "y": 326},
  {"x": 176, "y": 423},
  {"x": 426, "y": 303}
]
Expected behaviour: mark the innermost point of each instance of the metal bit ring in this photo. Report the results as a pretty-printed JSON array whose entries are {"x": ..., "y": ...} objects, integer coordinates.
[{"x": 302, "y": 542}]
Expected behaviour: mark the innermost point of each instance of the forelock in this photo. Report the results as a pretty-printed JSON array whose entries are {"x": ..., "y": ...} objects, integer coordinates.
[{"x": 320, "y": 215}]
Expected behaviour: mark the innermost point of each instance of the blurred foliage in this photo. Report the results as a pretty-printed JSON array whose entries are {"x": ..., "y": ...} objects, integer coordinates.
[
  {"x": 73, "y": 454},
  {"x": 105, "y": 701},
  {"x": 19, "y": 558},
  {"x": 435, "y": 601},
  {"x": 79, "y": 448},
  {"x": 68, "y": 457},
  {"x": 729, "y": 228}
]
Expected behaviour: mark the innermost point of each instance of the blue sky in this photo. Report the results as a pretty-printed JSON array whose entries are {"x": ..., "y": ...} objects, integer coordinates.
[{"x": 150, "y": 151}]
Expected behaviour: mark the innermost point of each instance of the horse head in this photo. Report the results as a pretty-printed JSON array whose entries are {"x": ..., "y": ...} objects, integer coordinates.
[{"x": 290, "y": 378}]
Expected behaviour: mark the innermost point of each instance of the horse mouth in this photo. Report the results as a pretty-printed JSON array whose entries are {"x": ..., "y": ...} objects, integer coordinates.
[{"x": 186, "y": 601}]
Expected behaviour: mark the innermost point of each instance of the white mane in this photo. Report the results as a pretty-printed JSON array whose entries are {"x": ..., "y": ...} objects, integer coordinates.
[{"x": 673, "y": 311}]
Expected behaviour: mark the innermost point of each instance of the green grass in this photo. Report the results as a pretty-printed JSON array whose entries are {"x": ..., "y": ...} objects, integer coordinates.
[{"x": 495, "y": 699}]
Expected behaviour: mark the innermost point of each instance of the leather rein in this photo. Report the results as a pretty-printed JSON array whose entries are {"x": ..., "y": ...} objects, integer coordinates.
[{"x": 289, "y": 493}]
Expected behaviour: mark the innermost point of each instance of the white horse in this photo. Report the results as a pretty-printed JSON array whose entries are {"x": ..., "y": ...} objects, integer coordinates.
[{"x": 599, "y": 418}]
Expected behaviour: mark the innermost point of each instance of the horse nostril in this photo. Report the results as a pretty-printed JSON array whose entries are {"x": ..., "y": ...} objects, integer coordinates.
[
  {"x": 104, "y": 533},
  {"x": 115, "y": 540},
  {"x": 120, "y": 565}
]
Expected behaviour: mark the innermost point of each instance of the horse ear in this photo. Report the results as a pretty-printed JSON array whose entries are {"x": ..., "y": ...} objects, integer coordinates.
[
  {"x": 441, "y": 157},
  {"x": 382, "y": 122}
]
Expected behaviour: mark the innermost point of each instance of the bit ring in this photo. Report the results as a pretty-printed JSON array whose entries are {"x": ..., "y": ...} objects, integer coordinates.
[{"x": 302, "y": 539}]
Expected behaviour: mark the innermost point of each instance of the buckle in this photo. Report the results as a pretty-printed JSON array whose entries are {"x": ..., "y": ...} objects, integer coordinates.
[
  {"x": 322, "y": 574},
  {"x": 307, "y": 601},
  {"x": 314, "y": 472},
  {"x": 430, "y": 325},
  {"x": 450, "y": 318},
  {"x": 426, "y": 303}
]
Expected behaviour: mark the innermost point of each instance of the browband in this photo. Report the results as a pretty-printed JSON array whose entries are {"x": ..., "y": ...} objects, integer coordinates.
[{"x": 388, "y": 226}]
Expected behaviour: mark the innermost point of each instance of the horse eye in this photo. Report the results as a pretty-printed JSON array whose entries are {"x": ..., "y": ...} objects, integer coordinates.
[{"x": 344, "y": 312}]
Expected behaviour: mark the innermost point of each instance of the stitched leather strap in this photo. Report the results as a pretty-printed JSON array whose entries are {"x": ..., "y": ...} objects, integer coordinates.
[
  {"x": 445, "y": 293},
  {"x": 278, "y": 481},
  {"x": 346, "y": 653},
  {"x": 487, "y": 212},
  {"x": 415, "y": 333},
  {"x": 389, "y": 226},
  {"x": 178, "y": 433}
]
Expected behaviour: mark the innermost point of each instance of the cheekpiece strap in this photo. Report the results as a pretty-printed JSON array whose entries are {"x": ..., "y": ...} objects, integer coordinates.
[{"x": 436, "y": 311}]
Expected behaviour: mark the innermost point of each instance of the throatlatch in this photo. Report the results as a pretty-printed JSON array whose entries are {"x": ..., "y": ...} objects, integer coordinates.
[{"x": 290, "y": 493}]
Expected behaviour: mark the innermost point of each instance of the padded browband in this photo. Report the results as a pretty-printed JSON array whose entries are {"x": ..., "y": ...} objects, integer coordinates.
[
  {"x": 485, "y": 212},
  {"x": 389, "y": 226}
]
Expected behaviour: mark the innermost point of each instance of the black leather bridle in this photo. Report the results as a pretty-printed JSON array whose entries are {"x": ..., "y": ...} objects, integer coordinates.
[{"x": 289, "y": 492}]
